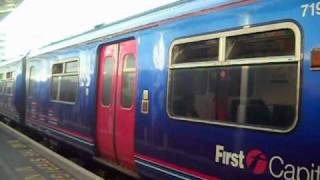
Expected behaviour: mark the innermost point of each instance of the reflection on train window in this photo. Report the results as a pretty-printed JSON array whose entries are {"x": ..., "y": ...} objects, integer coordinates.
[
  {"x": 263, "y": 44},
  {"x": 1, "y": 77},
  {"x": 200, "y": 51},
  {"x": 128, "y": 79},
  {"x": 65, "y": 81},
  {"x": 256, "y": 94},
  {"x": 32, "y": 81},
  {"x": 241, "y": 94}
]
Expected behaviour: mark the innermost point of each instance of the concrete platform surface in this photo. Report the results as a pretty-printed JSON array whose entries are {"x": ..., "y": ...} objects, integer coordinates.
[{"x": 23, "y": 158}]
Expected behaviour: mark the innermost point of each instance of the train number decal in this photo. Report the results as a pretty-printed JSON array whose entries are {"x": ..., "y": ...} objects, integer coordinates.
[{"x": 312, "y": 9}]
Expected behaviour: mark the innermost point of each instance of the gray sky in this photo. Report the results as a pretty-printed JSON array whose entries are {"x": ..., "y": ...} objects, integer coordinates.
[{"x": 38, "y": 22}]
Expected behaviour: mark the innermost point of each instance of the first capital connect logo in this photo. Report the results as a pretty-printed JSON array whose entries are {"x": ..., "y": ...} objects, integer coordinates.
[
  {"x": 258, "y": 163},
  {"x": 255, "y": 160}
]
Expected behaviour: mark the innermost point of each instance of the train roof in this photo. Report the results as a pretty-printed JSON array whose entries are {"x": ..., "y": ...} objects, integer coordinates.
[
  {"x": 12, "y": 60},
  {"x": 137, "y": 22}
]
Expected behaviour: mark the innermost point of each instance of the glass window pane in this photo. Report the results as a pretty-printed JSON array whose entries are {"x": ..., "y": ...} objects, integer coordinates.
[
  {"x": 264, "y": 44},
  {"x": 32, "y": 81},
  {"x": 248, "y": 95},
  {"x": 1, "y": 76},
  {"x": 9, "y": 87},
  {"x": 1, "y": 86},
  {"x": 9, "y": 75},
  {"x": 129, "y": 62},
  {"x": 200, "y": 51},
  {"x": 57, "y": 68},
  {"x": 68, "y": 88},
  {"x": 107, "y": 81},
  {"x": 3, "y": 90},
  {"x": 72, "y": 66},
  {"x": 54, "y": 88},
  {"x": 128, "y": 80}
]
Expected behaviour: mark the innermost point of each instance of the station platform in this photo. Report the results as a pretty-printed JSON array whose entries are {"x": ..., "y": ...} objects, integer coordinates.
[{"x": 23, "y": 158}]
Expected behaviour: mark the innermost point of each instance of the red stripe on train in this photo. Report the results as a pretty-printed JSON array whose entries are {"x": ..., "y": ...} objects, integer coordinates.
[{"x": 68, "y": 132}]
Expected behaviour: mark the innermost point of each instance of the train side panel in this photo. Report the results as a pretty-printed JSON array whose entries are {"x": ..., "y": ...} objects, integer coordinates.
[
  {"x": 61, "y": 96},
  {"x": 12, "y": 91},
  {"x": 193, "y": 148}
]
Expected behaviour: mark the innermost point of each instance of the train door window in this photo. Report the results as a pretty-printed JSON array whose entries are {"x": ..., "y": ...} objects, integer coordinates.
[
  {"x": 107, "y": 81},
  {"x": 246, "y": 89},
  {"x": 65, "y": 80},
  {"x": 32, "y": 81},
  {"x": 128, "y": 79}
]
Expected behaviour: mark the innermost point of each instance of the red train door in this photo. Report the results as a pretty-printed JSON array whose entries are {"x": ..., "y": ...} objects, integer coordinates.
[{"x": 116, "y": 103}]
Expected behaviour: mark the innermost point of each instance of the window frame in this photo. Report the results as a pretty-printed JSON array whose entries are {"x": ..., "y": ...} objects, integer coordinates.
[
  {"x": 64, "y": 73},
  {"x": 222, "y": 36}
]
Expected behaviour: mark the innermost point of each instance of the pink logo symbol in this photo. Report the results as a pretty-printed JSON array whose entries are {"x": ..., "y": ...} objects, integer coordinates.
[{"x": 256, "y": 161}]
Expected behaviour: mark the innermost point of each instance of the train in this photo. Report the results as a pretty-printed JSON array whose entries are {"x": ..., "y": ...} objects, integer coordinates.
[{"x": 223, "y": 89}]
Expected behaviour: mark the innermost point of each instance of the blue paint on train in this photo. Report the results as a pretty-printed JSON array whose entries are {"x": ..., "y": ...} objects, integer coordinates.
[
  {"x": 169, "y": 148},
  {"x": 12, "y": 91}
]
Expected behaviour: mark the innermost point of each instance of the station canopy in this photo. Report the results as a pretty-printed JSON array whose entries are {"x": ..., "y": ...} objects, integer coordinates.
[{"x": 7, "y": 6}]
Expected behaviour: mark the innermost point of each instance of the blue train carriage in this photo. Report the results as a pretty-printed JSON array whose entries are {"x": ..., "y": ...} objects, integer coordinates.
[
  {"x": 231, "y": 93},
  {"x": 60, "y": 96},
  {"x": 194, "y": 90},
  {"x": 12, "y": 81}
]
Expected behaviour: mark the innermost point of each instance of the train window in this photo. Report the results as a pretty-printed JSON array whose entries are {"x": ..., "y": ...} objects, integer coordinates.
[
  {"x": 1, "y": 83},
  {"x": 128, "y": 80},
  {"x": 107, "y": 81},
  {"x": 262, "y": 44},
  {"x": 9, "y": 75},
  {"x": 9, "y": 87},
  {"x": 69, "y": 85},
  {"x": 246, "y": 94},
  {"x": 1, "y": 86},
  {"x": 72, "y": 66},
  {"x": 57, "y": 68},
  {"x": 54, "y": 88},
  {"x": 65, "y": 82},
  {"x": 32, "y": 81},
  {"x": 200, "y": 51}
]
